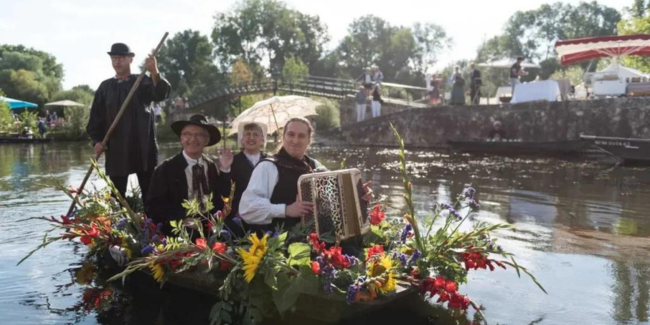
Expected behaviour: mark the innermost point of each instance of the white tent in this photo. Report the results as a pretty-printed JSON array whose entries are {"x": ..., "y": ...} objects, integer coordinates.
[{"x": 622, "y": 72}]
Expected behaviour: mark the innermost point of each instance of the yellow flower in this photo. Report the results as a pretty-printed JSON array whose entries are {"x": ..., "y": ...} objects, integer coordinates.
[
  {"x": 158, "y": 271},
  {"x": 384, "y": 267},
  {"x": 253, "y": 256},
  {"x": 127, "y": 252}
]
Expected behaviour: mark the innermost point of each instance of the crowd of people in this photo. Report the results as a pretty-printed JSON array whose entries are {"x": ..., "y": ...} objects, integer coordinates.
[{"x": 371, "y": 88}]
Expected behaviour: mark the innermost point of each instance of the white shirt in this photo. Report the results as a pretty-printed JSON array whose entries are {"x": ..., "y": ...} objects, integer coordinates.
[
  {"x": 254, "y": 159},
  {"x": 188, "y": 173},
  {"x": 255, "y": 206}
]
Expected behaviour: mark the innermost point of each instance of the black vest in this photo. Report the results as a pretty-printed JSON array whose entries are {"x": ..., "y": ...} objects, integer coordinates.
[
  {"x": 241, "y": 172},
  {"x": 286, "y": 190}
]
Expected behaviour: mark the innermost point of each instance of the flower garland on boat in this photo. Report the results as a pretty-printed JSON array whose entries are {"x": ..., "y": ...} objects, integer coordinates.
[{"x": 262, "y": 276}]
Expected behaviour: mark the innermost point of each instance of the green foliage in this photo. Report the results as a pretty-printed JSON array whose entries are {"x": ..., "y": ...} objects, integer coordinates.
[
  {"x": 400, "y": 52},
  {"x": 328, "y": 115},
  {"x": 294, "y": 69},
  {"x": 573, "y": 73},
  {"x": 28, "y": 120},
  {"x": 6, "y": 120},
  {"x": 187, "y": 62},
  {"x": 532, "y": 34},
  {"x": 82, "y": 94},
  {"x": 74, "y": 128},
  {"x": 257, "y": 29},
  {"x": 637, "y": 22},
  {"x": 29, "y": 74}
]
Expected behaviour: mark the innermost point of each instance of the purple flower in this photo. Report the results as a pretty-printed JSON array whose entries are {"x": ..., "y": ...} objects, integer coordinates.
[
  {"x": 405, "y": 232},
  {"x": 351, "y": 294},
  {"x": 154, "y": 238},
  {"x": 474, "y": 205},
  {"x": 159, "y": 227},
  {"x": 147, "y": 250},
  {"x": 452, "y": 211},
  {"x": 328, "y": 274},
  {"x": 121, "y": 224},
  {"x": 237, "y": 220},
  {"x": 403, "y": 259},
  {"x": 225, "y": 234},
  {"x": 416, "y": 255},
  {"x": 164, "y": 242},
  {"x": 470, "y": 192}
]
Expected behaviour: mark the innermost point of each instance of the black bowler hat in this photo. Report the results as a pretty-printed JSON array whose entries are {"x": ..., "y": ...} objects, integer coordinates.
[
  {"x": 198, "y": 120},
  {"x": 120, "y": 49}
]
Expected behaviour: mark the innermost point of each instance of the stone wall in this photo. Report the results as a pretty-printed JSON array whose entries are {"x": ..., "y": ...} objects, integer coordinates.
[{"x": 537, "y": 121}]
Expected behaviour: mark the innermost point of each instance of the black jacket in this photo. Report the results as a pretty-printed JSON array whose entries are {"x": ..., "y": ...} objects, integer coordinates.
[
  {"x": 132, "y": 147},
  {"x": 168, "y": 190}
]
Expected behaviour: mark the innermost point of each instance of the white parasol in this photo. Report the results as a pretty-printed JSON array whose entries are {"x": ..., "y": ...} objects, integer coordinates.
[{"x": 275, "y": 112}]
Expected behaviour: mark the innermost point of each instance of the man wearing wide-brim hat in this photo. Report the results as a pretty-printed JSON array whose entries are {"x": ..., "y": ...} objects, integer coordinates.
[
  {"x": 132, "y": 147},
  {"x": 190, "y": 174}
]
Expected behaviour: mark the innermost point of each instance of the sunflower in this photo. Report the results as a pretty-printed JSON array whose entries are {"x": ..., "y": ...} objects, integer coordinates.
[
  {"x": 158, "y": 271},
  {"x": 253, "y": 256},
  {"x": 385, "y": 267}
]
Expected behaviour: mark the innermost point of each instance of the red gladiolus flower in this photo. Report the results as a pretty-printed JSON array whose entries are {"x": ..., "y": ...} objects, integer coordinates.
[
  {"x": 374, "y": 250},
  {"x": 336, "y": 257},
  {"x": 376, "y": 216},
  {"x": 315, "y": 267},
  {"x": 93, "y": 231},
  {"x": 201, "y": 243},
  {"x": 86, "y": 240},
  {"x": 173, "y": 264},
  {"x": 219, "y": 248},
  {"x": 451, "y": 286},
  {"x": 313, "y": 241}
]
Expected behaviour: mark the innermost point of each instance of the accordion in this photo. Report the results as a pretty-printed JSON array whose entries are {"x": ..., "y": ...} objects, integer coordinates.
[{"x": 338, "y": 205}]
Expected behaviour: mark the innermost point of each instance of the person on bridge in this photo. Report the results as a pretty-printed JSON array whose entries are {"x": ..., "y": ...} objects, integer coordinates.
[
  {"x": 515, "y": 72},
  {"x": 475, "y": 83},
  {"x": 458, "y": 88},
  {"x": 361, "y": 104},
  {"x": 132, "y": 147},
  {"x": 376, "y": 102},
  {"x": 189, "y": 174},
  {"x": 379, "y": 76},
  {"x": 270, "y": 200}
]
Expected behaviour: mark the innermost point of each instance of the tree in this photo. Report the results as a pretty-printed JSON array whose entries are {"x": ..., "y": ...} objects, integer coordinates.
[
  {"x": 6, "y": 120},
  {"x": 532, "y": 34},
  {"x": 188, "y": 63},
  {"x": 636, "y": 23},
  {"x": 240, "y": 73},
  {"x": 403, "y": 53},
  {"x": 82, "y": 94},
  {"x": 267, "y": 32},
  {"x": 29, "y": 74},
  {"x": 294, "y": 69}
]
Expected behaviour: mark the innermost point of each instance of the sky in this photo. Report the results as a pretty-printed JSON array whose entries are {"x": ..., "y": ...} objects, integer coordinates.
[{"x": 80, "y": 32}]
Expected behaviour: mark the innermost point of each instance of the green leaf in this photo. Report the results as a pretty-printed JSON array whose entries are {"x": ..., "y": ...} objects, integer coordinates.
[
  {"x": 270, "y": 277},
  {"x": 290, "y": 288},
  {"x": 299, "y": 254}
]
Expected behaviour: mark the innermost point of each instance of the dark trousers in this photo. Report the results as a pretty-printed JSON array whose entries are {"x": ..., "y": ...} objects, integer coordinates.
[
  {"x": 475, "y": 93},
  {"x": 144, "y": 178}
]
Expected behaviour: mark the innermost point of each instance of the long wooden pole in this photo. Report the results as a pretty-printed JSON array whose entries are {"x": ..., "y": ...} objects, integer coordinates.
[{"x": 114, "y": 124}]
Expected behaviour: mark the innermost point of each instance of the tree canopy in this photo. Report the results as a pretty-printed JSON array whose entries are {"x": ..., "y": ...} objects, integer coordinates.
[{"x": 267, "y": 32}]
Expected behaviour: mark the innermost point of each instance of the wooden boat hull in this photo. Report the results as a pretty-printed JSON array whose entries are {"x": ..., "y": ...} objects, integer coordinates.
[
  {"x": 24, "y": 140},
  {"x": 630, "y": 150},
  {"x": 518, "y": 148}
]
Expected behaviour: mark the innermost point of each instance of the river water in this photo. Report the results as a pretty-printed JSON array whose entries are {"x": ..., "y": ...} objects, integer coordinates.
[{"x": 582, "y": 229}]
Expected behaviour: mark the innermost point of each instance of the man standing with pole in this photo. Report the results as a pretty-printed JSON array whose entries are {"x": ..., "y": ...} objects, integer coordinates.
[{"x": 132, "y": 147}]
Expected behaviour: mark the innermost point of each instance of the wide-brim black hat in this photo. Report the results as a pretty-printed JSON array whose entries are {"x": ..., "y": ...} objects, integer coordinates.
[
  {"x": 202, "y": 121},
  {"x": 120, "y": 49}
]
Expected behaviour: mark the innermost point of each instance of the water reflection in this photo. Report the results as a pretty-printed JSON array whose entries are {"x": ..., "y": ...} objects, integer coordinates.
[{"x": 583, "y": 231}]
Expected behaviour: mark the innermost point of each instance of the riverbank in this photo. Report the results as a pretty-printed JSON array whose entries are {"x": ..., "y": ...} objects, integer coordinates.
[{"x": 433, "y": 127}]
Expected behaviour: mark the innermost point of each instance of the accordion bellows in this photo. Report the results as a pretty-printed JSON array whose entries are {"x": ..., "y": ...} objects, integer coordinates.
[{"x": 338, "y": 205}]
